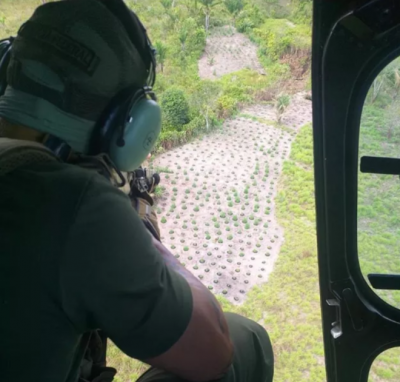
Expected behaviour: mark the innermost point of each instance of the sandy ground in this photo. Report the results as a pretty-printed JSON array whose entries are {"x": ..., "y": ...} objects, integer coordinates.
[
  {"x": 298, "y": 113},
  {"x": 228, "y": 51},
  {"x": 218, "y": 211}
]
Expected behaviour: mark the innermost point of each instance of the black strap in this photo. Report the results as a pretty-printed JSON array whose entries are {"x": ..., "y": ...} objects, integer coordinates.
[{"x": 94, "y": 364}]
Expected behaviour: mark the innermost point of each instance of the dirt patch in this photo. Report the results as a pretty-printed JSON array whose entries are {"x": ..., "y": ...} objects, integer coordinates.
[
  {"x": 218, "y": 211},
  {"x": 299, "y": 111},
  {"x": 226, "y": 52},
  {"x": 297, "y": 114}
]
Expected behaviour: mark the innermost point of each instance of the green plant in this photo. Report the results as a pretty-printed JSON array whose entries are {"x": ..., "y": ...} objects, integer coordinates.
[
  {"x": 161, "y": 54},
  {"x": 234, "y": 7},
  {"x": 163, "y": 220},
  {"x": 175, "y": 108},
  {"x": 282, "y": 101},
  {"x": 159, "y": 191},
  {"x": 208, "y": 5}
]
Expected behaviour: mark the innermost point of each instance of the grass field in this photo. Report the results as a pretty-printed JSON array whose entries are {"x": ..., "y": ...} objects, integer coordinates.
[
  {"x": 379, "y": 203},
  {"x": 379, "y": 219}
]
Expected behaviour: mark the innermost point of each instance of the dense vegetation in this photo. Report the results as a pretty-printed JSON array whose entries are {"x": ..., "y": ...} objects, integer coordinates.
[{"x": 179, "y": 28}]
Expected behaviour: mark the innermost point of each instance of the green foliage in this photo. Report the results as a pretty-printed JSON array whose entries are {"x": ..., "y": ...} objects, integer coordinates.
[
  {"x": 175, "y": 108},
  {"x": 302, "y": 11},
  {"x": 249, "y": 18},
  {"x": 159, "y": 191},
  {"x": 161, "y": 54},
  {"x": 378, "y": 198},
  {"x": 234, "y": 6},
  {"x": 279, "y": 36},
  {"x": 208, "y": 6},
  {"x": 282, "y": 101},
  {"x": 167, "y": 4},
  {"x": 386, "y": 86},
  {"x": 239, "y": 87},
  {"x": 196, "y": 39},
  {"x": 203, "y": 101}
]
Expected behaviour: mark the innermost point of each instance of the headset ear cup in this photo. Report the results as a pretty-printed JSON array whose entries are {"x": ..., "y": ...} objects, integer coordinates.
[{"x": 141, "y": 132}]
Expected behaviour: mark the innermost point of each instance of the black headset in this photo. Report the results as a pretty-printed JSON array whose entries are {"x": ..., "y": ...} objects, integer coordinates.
[{"x": 131, "y": 123}]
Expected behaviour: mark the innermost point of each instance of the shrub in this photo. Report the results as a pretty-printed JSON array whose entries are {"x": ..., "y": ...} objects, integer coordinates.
[
  {"x": 196, "y": 41},
  {"x": 194, "y": 127},
  {"x": 249, "y": 18},
  {"x": 278, "y": 36},
  {"x": 175, "y": 108},
  {"x": 227, "y": 105}
]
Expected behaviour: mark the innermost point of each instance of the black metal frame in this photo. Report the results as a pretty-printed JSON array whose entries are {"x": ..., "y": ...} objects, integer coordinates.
[{"x": 350, "y": 47}]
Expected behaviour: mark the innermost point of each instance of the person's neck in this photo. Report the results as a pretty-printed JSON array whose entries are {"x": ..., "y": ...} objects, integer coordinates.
[{"x": 13, "y": 131}]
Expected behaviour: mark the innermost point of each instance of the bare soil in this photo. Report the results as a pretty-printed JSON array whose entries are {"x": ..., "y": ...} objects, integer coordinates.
[
  {"x": 218, "y": 211},
  {"x": 226, "y": 52}
]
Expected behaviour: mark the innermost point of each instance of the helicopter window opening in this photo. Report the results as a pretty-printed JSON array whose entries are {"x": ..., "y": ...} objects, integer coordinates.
[{"x": 379, "y": 185}]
